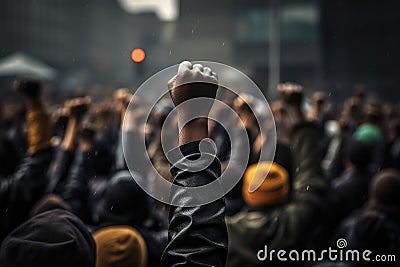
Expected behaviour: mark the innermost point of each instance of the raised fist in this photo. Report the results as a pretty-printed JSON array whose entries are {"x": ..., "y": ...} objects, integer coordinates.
[
  {"x": 291, "y": 94},
  {"x": 77, "y": 107},
  {"x": 191, "y": 82},
  {"x": 27, "y": 86},
  {"x": 319, "y": 98}
]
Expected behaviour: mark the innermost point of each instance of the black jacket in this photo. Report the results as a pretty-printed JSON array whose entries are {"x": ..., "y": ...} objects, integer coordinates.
[
  {"x": 348, "y": 192},
  {"x": 372, "y": 231},
  {"x": 18, "y": 192},
  {"x": 197, "y": 235},
  {"x": 288, "y": 225}
]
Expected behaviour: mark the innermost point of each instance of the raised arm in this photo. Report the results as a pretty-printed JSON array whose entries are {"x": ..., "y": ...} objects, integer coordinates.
[
  {"x": 197, "y": 235},
  {"x": 309, "y": 188},
  {"x": 75, "y": 108},
  {"x": 21, "y": 190}
]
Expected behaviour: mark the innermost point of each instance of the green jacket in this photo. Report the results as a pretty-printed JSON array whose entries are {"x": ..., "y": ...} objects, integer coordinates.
[{"x": 290, "y": 224}]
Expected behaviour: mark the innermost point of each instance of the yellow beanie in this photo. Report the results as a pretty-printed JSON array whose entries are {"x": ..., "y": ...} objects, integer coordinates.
[
  {"x": 274, "y": 184},
  {"x": 120, "y": 246}
]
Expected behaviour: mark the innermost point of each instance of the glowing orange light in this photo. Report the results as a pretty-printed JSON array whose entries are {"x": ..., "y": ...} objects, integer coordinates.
[{"x": 138, "y": 55}]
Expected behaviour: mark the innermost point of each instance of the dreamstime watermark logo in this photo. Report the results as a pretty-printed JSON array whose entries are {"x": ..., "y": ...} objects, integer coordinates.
[
  {"x": 338, "y": 254},
  {"x": 230, "y": 80}
]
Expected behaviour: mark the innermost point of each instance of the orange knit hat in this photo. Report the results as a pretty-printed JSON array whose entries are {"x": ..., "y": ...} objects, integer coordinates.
[
  {"x": 120, "y": 246},
  {"x": 274, "y": 187}
]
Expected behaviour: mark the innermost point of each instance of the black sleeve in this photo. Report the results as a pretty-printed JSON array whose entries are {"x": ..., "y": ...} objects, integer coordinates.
[
  {"x": 28, "y": 180},
  {"x": 76, "y": 189},
  {"x": 21, "y": 190},
  {"x": 197, "y": 235},
  {"x": 59, "y": 171}
]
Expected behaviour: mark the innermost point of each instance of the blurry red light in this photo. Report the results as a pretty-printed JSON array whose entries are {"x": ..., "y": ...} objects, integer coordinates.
[{"x": 138, "y": 55}]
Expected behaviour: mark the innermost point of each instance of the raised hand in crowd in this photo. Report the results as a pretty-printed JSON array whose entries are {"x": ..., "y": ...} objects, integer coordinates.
[
  {"x": 292, "y": 96},
  {"x": 76, "y": 109},
  {"x": 191, "y": 82},
  {"x": 192, "y": 240}
]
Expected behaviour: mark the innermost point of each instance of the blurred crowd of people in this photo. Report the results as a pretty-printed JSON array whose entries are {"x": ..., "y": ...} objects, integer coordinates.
[{"x": 68, "y": 198}]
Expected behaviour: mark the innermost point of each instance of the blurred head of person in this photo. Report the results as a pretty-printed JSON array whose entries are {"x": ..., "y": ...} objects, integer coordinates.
[
  {"x": 319, "y": 98},
  {"x": 120, "y": 246},
  {"x": 274, "y": 184},
  {"x": 47, "y": 203},
  {"x": 105, "y": 115},
  {"x": 359, "y": 91},
  {"x": 160, "y": 112},
  {"x": 158, "y": 119},
  {"x": 124, "y": 202},
  {"x": 384, "y": 193},
  {"x": 372, "y": 111},
  {"x": 244, "y": 105},
  {"x": 28, "y": 86},
  {"x": 393, "y": 131},
  {"x": 55, "y": 237},
  {"x": 275, "y": 180},
  {"x": 135, "y": 121},
  {"x": 370, "y": 134},
  {"x": 358, "y": 154}
]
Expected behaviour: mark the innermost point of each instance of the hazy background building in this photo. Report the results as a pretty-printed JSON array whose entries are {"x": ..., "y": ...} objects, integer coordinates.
[{"x": 328, "y": 45}]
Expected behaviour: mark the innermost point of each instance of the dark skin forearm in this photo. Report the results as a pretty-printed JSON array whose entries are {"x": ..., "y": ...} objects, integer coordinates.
[{"x": 195, "y": 130}]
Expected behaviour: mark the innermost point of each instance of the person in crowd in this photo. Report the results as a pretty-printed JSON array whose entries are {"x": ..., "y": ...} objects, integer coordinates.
[
  {"x": 52, "y": 237},
  {"x": 125, "y": 204},
  {"x": 316, "y": 113},
  {"x": 349, "y": 191},
  {"x": 197, "y": 235},
  {"x": 370, "y": 131},
  {"x": 392, "y": 148},
  {"x": 20, "y": 190},
  {"x": 269, "y": 218},
  {"x": 12, "y": 139},
  {"x": 243, "y": 105},
  {"x": 120, "y": 246},
  {"x": 79, "y": 156},
  {"x": 376, "y": 226}
]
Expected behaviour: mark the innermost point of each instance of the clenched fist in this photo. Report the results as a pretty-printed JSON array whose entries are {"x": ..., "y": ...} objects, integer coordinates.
[
  {"x": 77, "y": 107},
  {"x": 291, "y": 93},
  {"x": 192, "y": 82}
]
